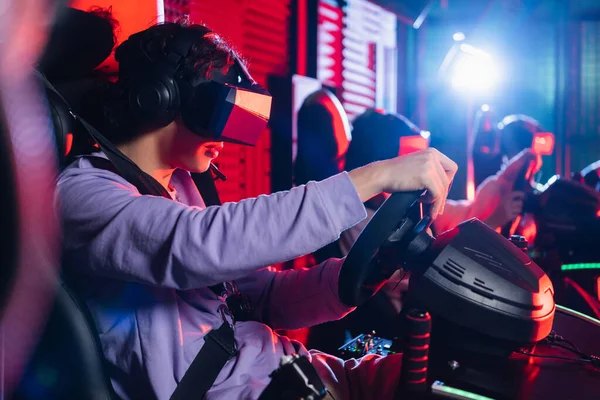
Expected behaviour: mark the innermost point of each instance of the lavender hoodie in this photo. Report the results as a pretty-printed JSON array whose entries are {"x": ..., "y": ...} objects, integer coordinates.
[{"x": 143, "y": 265}]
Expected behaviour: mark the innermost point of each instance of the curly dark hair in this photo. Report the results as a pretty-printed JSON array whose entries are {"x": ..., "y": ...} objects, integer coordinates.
[
  {"x": 114, "y": 118},
  {"x": 107, "y": 15}
]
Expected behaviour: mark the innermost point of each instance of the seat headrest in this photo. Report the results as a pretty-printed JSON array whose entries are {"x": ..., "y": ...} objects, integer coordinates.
[
  {"x": 64, "y": 99},
  {"x": 63, "y": 123},
  {"x": 79, "y": 42}
]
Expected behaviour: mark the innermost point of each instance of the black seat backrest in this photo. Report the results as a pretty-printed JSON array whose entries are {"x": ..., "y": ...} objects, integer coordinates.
[
  {"x": 8, "y": 216},
  {"x": 68, "y": 361},
  {"x": 323, "y": 137}
]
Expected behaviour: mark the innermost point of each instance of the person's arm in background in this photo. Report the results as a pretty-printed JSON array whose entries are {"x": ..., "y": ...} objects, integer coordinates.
[{"x": 495, "y": 203}]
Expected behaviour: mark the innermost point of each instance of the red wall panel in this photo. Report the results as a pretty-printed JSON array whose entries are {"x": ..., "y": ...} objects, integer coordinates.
[
  {"x": 259, "y": 31},
  {"x": 352, "y": 39},
  {"x": 329, "y": 44}
]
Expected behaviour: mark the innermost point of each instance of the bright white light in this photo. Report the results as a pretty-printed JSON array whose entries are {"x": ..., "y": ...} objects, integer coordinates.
[
  {"x": 458, "y": 37},
  {"x": 425, "y": 134},
  {"x": 474, "y": 51},
  {"x": 475, "y": 70},
  {"x": 485, "y": 108}
]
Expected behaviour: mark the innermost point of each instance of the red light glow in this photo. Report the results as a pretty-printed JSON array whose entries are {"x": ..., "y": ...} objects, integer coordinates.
[
  {"x": 410, "y": 144},
  {"x": 529, "y": 230},
  {"x": 543, "y": 143},
  {"x": 68, "y": 143}
]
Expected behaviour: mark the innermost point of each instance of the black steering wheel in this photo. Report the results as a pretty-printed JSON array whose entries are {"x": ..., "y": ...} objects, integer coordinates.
[{"x": 365, "y": 267}]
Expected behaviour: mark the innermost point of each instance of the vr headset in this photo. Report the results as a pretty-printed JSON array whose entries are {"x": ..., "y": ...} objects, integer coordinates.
[{"x": 230, "y": 108}]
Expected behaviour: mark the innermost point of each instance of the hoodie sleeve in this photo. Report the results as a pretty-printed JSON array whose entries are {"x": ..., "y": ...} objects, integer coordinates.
[
  {"x": 298, "y": 298},
  {"x": 112, "y": 231}
]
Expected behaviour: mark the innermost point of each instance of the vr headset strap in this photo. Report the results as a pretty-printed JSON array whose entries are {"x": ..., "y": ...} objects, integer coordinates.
[
  {"x": 206, "y": 186},
  {"x": 124, "y": 167}
]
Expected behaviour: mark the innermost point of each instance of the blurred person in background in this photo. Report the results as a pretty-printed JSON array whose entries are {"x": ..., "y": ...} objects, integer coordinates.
[
  {"x": 514, "y": 134},
  {"x": 497, "y": 142},
  {"x": 487, "y": 158}
]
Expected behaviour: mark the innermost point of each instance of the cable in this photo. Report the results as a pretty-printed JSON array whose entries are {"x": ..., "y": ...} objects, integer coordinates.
[
  {"x": 400, "y": 281},
  {"x": 556, "y": 340},
  {"x": 572, "y": 345},
  {"x": 554, "y": 337},
  {"x": 554, "y": 357},
  {"x": 572, "y": 350}
]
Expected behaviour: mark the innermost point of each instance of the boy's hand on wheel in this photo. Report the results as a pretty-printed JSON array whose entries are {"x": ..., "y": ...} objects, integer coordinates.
[{"x": 427, "y": 170}]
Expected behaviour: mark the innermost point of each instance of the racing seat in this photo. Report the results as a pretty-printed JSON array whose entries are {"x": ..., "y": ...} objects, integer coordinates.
[
  {"x": 323, "y": 139},
  {"x": 68, "y": 362}
]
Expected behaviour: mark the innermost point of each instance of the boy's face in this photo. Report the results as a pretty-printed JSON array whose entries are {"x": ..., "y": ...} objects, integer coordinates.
[{"x": 192, "y": 152}]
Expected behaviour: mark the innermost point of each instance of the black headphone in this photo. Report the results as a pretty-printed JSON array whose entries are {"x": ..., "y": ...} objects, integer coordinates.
[
  {"x": 151, "y": 92},
  {"x": 230, "y": 108},
  {"x": 155, "y": 91}
]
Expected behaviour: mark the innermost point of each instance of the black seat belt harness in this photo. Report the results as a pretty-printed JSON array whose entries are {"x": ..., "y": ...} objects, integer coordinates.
[{"x": 219, "y": 346}]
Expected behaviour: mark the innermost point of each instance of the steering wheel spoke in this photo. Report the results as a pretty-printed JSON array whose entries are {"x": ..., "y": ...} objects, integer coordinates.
[{"x": 386, "y": 236}]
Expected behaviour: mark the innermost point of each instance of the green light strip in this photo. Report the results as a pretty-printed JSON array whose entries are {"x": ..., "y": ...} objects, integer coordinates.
[
  {"x": 571, "y": 267},
  {"x": 441, "y": 389},
  {"x": 578, "y": 314}
]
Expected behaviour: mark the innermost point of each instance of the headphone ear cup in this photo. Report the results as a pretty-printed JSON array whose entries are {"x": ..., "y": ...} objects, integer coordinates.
[{"x": 154, "y": 102}]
